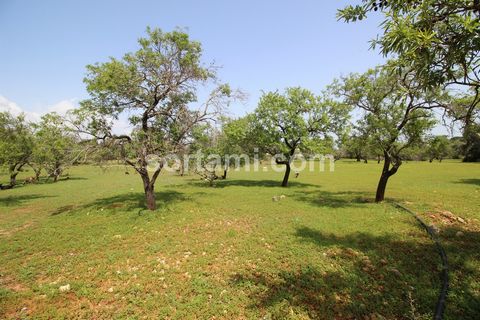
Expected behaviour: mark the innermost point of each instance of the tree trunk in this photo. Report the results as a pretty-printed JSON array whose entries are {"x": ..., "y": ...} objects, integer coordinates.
[
  {"x": 13, "y": 178},
  {"x": 37, "y": 174},
  {"x": 149, "y": 189},
  {"x": 358, "y": 158},
  {"x": 150, "y": 198},
  {"x": 181, "y": 169},
  {"x": 365, "y": 160},
  {"x": 379, "y": 159},
  {"x": 286, "y": 176},
  {"x": 382, "y": 183},
  {"x": 224, "y": 174}
]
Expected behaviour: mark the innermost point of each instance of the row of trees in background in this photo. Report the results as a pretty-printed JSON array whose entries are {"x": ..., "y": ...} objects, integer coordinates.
[
  {"x": 429, "y": 149},
  {"x": 48, "y": 146}
]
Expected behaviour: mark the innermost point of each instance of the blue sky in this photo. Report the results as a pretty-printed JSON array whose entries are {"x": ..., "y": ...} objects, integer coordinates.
[{"x": 261, "y": 45}]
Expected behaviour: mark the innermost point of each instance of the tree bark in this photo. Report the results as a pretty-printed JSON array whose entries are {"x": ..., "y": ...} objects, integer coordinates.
[
  {"x": 13, "y": 178},
  {"x": 224, "y": 174},
  {"x": 149, "y": 189},
  {"x": 382, "y": 183},
  {"x": 150, "y": 197},
  {"x": 37, "y": 174},
  {"x": 287, "y": 175}
]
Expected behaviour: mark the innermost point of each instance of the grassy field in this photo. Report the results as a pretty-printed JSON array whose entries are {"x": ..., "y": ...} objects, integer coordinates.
[{"x": 325, "y": 251}]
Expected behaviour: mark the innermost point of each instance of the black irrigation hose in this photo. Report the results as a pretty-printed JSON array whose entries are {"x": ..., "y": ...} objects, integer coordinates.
[{"x": 442, "y": 297}]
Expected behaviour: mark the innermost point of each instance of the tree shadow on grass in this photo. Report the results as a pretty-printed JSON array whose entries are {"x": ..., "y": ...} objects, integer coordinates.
[
  {"x": 475, "y": 182},
  {"x": 252, "y": 183},
  {"x": 15, "y": 200},
  {"x": 334, "y": 199},
  {"x": 21, "y": 182},
  {"x": 380, "y": 276},
  {"x": 128, "y": 202}
]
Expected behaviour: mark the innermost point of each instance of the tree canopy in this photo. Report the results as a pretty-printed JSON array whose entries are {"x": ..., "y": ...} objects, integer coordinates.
[
  {"x": 396, "y": 113},
  {"x": 154, "y": 88},
  {"x": 286, "y": 121},
  {"x": 15, "y": 143}
]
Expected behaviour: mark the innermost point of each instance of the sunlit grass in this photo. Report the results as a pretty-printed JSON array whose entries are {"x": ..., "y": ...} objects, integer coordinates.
[{"x": 324, "y": 251}]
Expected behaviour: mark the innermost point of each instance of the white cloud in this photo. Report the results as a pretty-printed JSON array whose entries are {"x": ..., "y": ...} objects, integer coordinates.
[
  {"x": 13, "y": 108},
  {"x": 63, "y": 106},
  {"x": 121, "y": 126}
]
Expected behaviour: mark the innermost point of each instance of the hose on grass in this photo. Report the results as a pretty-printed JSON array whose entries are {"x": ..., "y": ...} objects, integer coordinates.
[{"x": 442, "y": 297}]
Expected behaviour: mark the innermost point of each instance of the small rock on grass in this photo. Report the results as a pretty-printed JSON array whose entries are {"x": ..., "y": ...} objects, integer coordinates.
[
  {"x": 64, "y": 288},
  {"x": 459, "y": 234},
  {"x": 434, "y": 229},
  {"x": 396, "y": 272}
]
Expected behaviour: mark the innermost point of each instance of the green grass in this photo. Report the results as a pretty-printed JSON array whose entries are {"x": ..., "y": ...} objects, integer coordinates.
[{"x": 325, "y": 251}]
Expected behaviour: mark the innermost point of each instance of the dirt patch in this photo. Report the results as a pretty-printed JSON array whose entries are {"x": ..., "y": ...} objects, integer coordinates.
[
  {"x": 63, "y": 209},
  {"x": 24, "y": 210},
  {"x": 11, "y": 284},
  {"x": 10, "y": 232},
  {"x": 447, "y": 218}
]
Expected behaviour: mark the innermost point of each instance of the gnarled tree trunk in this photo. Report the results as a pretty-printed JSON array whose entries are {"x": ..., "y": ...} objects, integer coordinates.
[
  {"x": 149, "y": 189},
  {"x": 13, "y": 179},
  {"x": 287, "y": 175},
  {"x": 14, "y": 171},
  {"x": 150, "y": 197},
  {"x": 149, "y": 185},
  {"x": 387, "y": 172}
]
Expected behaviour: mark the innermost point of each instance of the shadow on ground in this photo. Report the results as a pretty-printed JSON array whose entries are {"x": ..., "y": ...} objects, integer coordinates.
[
  {"x": 475, "y": 182},
  {"x": 371, "y": 276},
  {"x": 251, "y": 183},
  {"x": 15, "y": 200},
  {"x": 129, "y": 202},
  {"x": 334, "y": 199}
]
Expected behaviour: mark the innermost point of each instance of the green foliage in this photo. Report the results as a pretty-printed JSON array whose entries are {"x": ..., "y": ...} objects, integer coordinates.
[
  {"x": 153, "y": 87},
  {"x": 438, "y": 147},
  {"x": 15, "y": 143},
  {"x": 395, "y": 110},
  {"x": 55, "y": 145},
  {"x": 437, "y": 38},
  {"x": 358, "y": 147},
  {"x": 296, "y": 119},
  {"x": 472, "y": 143}
]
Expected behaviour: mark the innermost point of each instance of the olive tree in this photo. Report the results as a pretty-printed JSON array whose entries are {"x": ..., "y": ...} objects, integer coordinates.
[
  {"x": 154, "y": 87},
  {"x": 439, "y": 40},
  {"x": 395, "y": 113},
  {"x": 234, "y": 138},
  {"x": 438, "y": 147},
  {"x": 284, "y": 122},
  {"x": 55, "y": 146},
  {"x": 15, "y": 145}
]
